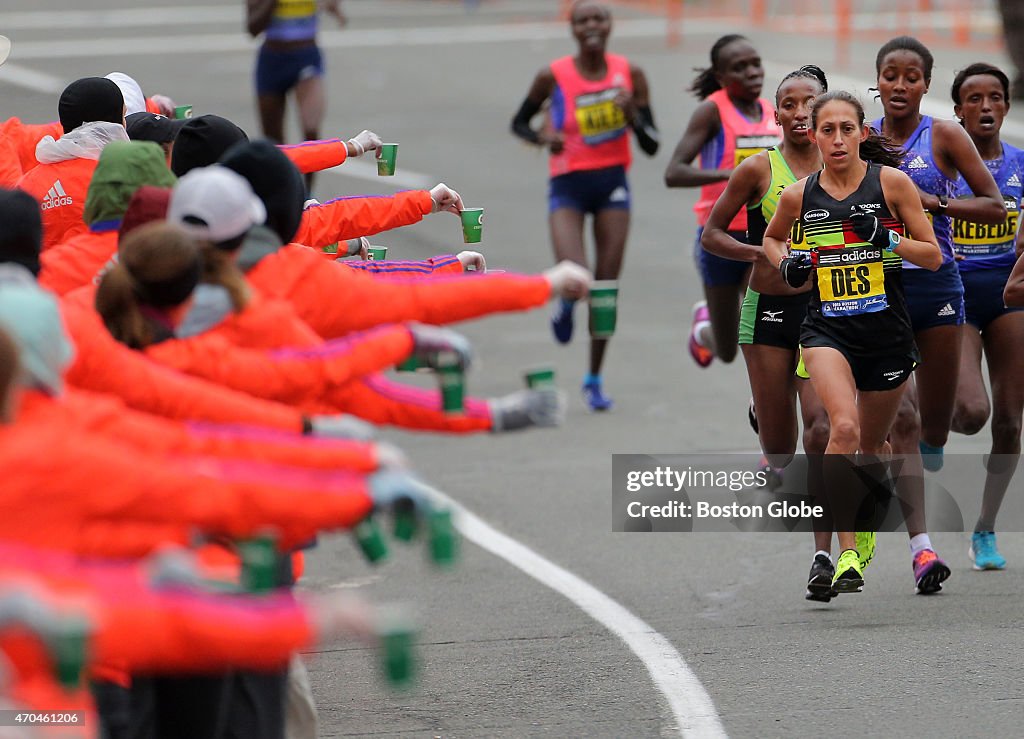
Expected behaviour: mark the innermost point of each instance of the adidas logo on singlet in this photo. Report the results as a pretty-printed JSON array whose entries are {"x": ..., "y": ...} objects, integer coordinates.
[
  {"x": 1014, "y": 181},
  {"x": 618, "y": 195},
  {"x": 946, "y": 310},
  {"x": 918, "y": 163},
  {"x": 55, "y": 197}
]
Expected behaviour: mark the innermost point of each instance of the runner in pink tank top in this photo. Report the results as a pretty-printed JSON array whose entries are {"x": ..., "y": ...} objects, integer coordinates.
[
  {"x": 595, "y": 99},
  {"x": 732, "y": 123}
]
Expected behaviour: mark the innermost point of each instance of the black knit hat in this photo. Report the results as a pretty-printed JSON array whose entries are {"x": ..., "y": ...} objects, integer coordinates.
[
  {"x": 202, "y": 141},
  {"x": 22, "y": 233},
  {"x": 90, "y": 99},
  {"x": 275, "y": 180}
]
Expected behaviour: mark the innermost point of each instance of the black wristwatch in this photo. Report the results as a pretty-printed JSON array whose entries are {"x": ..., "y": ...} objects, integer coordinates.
[{"x": 943, "y": 204}]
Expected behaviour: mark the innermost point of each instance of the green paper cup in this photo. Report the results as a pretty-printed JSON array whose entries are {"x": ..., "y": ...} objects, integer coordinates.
[
  {"x": 604, "y": 299},
  {"x": 453, "y": 386},
  {"x": 387, "y": 160},
  {"x": 68, "y": 647},
  {"x": 330, "y": 248},
  {"x": 538, "y": 377},
  {"x": 376, "y": 253},
  {"x": 183, "y": 111},
  {"x": 409, "y": 365},
  {"x": 444, "y": 539},
  {"x": 406, "y": 520},
  {"x": 472, "y": 225},
  {"x": 397, "y": 641},
  {"x": 371, "y": 540},
  {"x": 259, "y": 564}
]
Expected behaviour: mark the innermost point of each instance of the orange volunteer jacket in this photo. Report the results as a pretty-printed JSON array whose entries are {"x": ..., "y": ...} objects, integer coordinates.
[
  {"x": 336, "y": 301},
  {"x": 59, "y": 482},
  {"x": 103, "y": 365},
  {"x": 109, "y": 418},
  {"x": 347, "y": 218},
  {"x": 78, "y": 260},
  {"x": 18, "y": 147},
  {"x": 60, "y": 188}
]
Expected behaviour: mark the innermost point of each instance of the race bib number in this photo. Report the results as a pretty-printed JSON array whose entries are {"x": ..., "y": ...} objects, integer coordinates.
[
  {"x": 599, "y": 118},
  {"x": 851, "y": 281},
  {"x": 980, "y": 239},
  {"x": 797, "y": 242},
  {"x": 747, "y": 146}
]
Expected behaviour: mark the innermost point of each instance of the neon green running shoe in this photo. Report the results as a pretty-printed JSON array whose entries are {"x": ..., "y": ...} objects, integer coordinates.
[
  {"x": 849, "y": 577},
  {"x": 866, "y": 547}
]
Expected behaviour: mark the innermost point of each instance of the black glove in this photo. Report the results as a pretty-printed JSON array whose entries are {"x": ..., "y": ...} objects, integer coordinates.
[
  {"x": 796, "y": 268},
  {"x": 869, "y": 228}
]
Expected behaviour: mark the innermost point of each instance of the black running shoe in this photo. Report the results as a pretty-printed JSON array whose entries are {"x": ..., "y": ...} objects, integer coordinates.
[{"x": 819, "y": 584}]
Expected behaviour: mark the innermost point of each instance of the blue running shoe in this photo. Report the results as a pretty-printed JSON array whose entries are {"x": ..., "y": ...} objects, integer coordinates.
[
  {"x": 931, "y": 456},
  {"x": 562, "y": 321},
  {"x": 594, "y": 396},
  {"x": 983, "y": 552}
]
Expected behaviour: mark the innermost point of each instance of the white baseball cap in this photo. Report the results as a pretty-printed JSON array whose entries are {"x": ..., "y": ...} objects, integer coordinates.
[{"x": 215, "y": 203}]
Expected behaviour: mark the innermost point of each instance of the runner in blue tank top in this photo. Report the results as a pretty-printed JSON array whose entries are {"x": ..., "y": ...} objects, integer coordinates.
[
  {"x": 981, "y": 93},
  {"x": 938, "y": 152}
]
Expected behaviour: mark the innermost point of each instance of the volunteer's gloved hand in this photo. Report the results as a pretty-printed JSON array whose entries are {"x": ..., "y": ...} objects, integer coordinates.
[
  {"x": 342, "y": 426},
  {"x": 446, "y": 198},
  {"x": 796, "y": 268},
  {"x": 340, "y": 615},
  {"x": 363, "y": 142},
  {"x": 357, "y": 247},
  {"x": 541, "y": 407},
  {"x": 869, "y": 228},
  {"x": 310, "y": 202},
  {"x": 568, "y": 280},
  {"x": 391, "y": 457},
  {"x": 427, "y": 341},
  {"x": 389, "y": 488},
  {"x": 165, "y": 104},
  {"x": 472, "y": 261}
]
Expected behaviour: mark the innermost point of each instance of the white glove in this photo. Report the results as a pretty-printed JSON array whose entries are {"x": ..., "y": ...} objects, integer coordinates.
[
  {"x": 364, "y": 142},
  {"x": 390, "y": 457},
  {"x": 472, "y": 261},
  {"x": 340, "y": 615},
  {"x": 446, "y": 198},
  {"x": 428, "y": 341},
  {"x": 309, "y": 203},
  {"x": 391, "y": 487},
  {"x": 568, "y": 280},
  {"x": 342, "y": 426},
  {"x": 357, "y": 247},
  {"x": 541, "y": 407}
]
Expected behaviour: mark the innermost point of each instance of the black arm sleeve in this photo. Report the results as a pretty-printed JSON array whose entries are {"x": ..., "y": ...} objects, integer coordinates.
[
  {"x": 521, "y": 122},
  {"x": 646, "y": 132}
]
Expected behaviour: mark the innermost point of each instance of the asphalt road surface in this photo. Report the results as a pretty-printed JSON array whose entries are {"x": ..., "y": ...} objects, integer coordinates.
[{"x": 508, "y": 654}]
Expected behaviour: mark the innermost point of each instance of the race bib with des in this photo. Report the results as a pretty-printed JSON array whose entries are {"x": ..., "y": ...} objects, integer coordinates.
[{"x": 851, "y": 281}]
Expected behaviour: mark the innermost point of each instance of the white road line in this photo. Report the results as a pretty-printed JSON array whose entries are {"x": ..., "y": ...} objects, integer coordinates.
[
  {"x": 403, "y": 179},
  {"x": 30, "y": 79},
  {"x": 691, "y": 706}
]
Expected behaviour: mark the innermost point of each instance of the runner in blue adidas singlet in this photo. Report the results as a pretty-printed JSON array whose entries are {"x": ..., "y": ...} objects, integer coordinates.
[
  {"x": 981, "y": 93},
  {"x": 938, "y": 153}
]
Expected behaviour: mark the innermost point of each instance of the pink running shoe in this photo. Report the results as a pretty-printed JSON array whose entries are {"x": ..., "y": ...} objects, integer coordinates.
[
  {"x": 700, "y": 353},
  {"x": 929, "y": 572}
]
